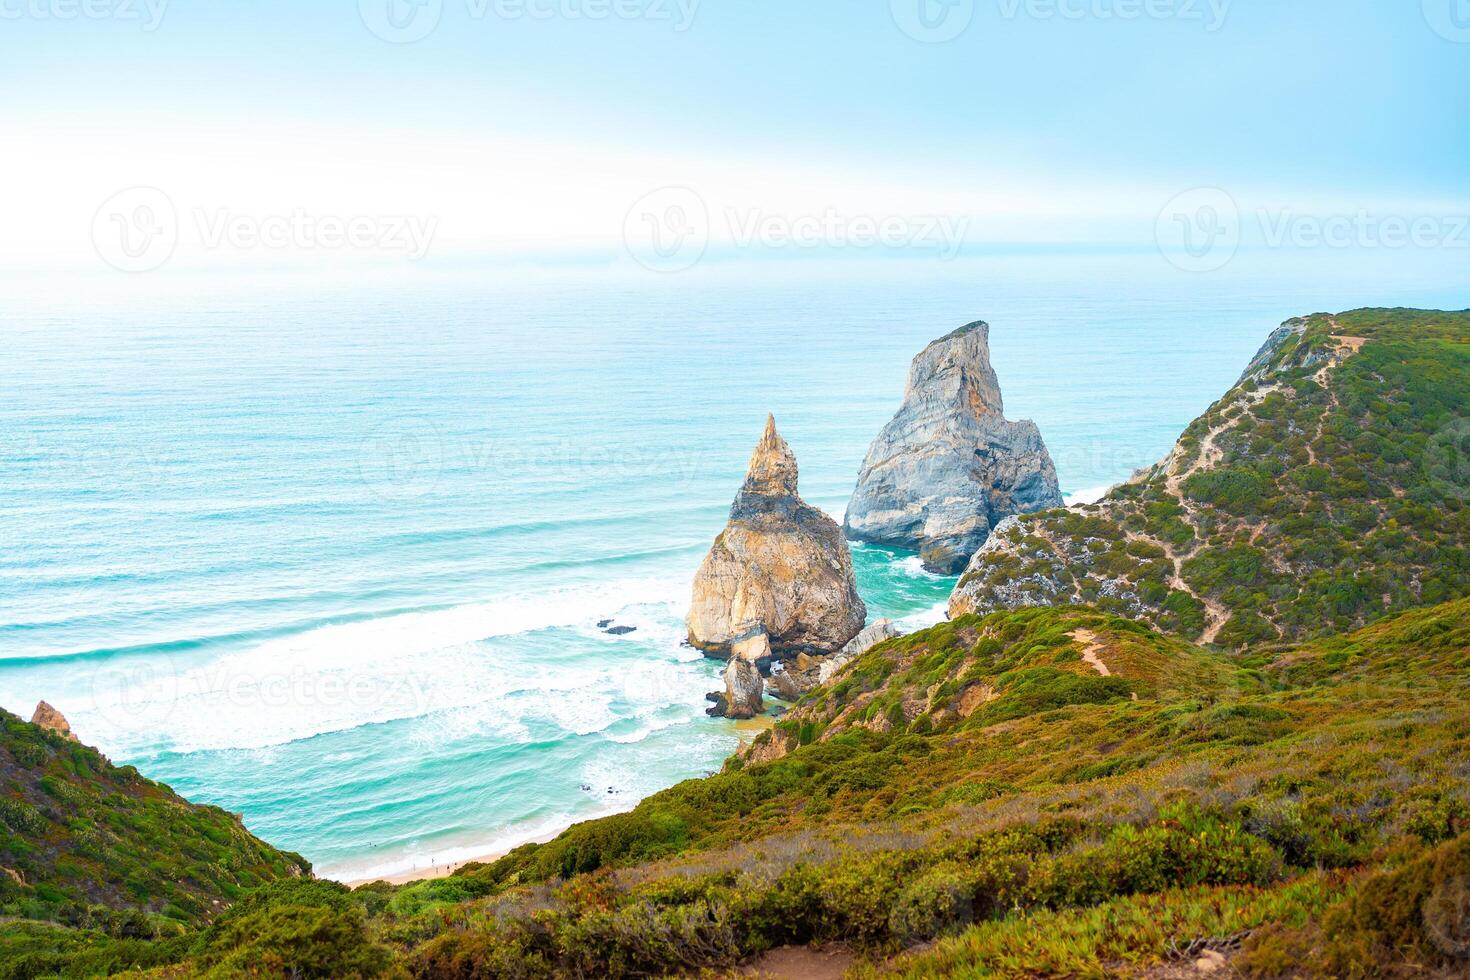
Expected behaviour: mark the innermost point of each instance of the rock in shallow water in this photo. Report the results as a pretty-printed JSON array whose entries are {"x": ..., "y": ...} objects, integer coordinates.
[
  {"x": 949, "y": 466},
  {"x": 780, "y": 566}
]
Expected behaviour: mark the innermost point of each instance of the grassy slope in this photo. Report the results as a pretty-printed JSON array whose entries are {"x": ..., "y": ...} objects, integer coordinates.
[
  {"x": 86, "y": 844},
  {"x": 1302, "y": 806},
  {"x": 1305, "y": 805},
  {"x": 1325, "y": 490}
]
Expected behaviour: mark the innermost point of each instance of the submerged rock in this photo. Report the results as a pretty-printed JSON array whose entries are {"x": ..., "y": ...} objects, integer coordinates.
[
  {"x": 780, "y": 566},
  {"x": 949, "y": 466},
  {"x": 52, "y": 720}
]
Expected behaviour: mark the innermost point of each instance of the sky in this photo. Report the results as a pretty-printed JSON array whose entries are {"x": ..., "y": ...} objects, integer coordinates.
[{"x": 548, "y": 130}]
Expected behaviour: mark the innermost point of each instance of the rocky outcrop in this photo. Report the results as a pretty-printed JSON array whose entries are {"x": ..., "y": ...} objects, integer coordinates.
[
  {"x": 949, "y": 466},
  {"x": 750, "y": 660},
  {"x": 780, "y": 566},
  {"x": 870, "y": 637},
  {"x": 790, "y": 681},
  {"x": 744, "y": 685},
  {"x": 52, "y": 720}
]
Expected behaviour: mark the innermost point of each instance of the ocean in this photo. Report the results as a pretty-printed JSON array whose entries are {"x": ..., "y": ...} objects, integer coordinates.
[{"x": 332, "y": 552}]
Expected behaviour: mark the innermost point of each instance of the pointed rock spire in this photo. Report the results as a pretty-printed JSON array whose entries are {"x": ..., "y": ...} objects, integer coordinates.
[
  {"x": 949, "y": 466},
  {"x": 772, "y": 466},
  {"x": 780, "y": 566}
]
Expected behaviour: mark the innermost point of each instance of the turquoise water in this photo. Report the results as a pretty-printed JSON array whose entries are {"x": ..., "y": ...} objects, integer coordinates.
[{"x": 333, "y": 554}]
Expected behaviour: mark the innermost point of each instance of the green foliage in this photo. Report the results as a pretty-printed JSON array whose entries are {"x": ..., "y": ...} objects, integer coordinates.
[
  {"x": 1057, "y": 791},
  {"x": 1329, "y": 489},
  {"x": 307, "y": 929},
  {"x": 87, "y": 844}
]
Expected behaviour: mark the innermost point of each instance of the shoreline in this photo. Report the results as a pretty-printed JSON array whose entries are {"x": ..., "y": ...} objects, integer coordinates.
[{"x": 747, "y": 730}]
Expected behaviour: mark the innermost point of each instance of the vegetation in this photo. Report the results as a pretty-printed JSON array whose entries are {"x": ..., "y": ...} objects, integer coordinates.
[
  {"x": 1328, "y": 488},
  {"x": 92, "y": 845},
  {"x": 1056, "y": 790},
  {"x": 1302, "y": 804}
]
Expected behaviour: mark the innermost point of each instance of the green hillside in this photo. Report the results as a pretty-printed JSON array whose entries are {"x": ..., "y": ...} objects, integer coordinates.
[
  {"x": 1075, "y": 787},
  {"x": 1303, "y": 806},
  {"x": 1326, "y": 489},
  {"x": 88, "y": 845}
]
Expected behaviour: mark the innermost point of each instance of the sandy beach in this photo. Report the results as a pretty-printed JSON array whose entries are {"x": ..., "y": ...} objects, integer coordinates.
[{"x": 443, "y": 870}]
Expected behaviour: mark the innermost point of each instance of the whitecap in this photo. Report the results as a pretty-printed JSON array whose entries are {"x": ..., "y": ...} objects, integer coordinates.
[
  {"x": 923, "y": 619},
  {"x": 1089, "y": 495},
  {"x": 408, "y": 665}
]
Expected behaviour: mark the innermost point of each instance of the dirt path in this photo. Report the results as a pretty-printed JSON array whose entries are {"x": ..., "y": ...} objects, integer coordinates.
[
  {"x": 799, "y": 963},
  {"x": 1090, "y": 648},
  {"x": 1207, "y": 457}
]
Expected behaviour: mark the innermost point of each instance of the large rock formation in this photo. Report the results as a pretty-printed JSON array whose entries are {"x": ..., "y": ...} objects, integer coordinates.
[
  {"x": 949, "y": 466},
  {"x": 780, "y": 566}
]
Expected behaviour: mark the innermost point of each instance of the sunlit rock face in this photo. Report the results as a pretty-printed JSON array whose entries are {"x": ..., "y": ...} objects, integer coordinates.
[{"x": 780, "y": 566}]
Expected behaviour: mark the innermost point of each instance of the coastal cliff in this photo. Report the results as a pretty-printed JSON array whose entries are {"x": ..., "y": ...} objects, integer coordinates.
[
  {"x": 780, "y": 566},
  {"x": 1030, "y": 792},
  {"x": 1327, "y": 488},
  {"x": 949, "y": 466},
  {"x": 98, "y": 846}
]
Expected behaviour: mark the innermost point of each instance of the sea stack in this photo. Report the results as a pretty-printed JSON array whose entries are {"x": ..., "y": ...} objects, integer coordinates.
[
  {"x": 949, "y": 466},
  {"x": 52, "y": 720},
  {"x": 780, "y": 567}
]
